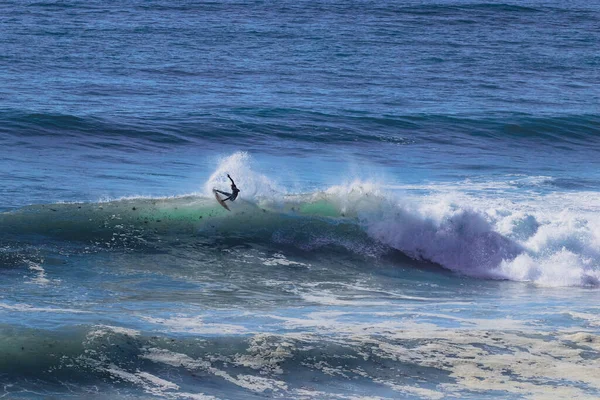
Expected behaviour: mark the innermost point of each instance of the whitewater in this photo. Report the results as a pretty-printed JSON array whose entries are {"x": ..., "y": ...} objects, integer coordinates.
[
  {"x": 177, "y": 297},
  {"x": 522, "y": 236},
  {"x": 419, "y": 214}
]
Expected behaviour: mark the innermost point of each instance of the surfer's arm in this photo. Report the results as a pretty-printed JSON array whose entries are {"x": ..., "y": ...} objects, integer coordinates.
[{"x": 232, "y": 182}]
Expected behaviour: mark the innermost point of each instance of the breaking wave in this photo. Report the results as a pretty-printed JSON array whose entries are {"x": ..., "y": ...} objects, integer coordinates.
[{"x": 478, "y": 239}]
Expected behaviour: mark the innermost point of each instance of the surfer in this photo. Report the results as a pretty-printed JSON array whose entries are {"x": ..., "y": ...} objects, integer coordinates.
[{"x": 234, "y": 191}]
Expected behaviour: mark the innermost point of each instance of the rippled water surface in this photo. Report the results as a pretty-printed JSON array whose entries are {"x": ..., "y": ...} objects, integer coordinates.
[{"x": 418, "y": 217}]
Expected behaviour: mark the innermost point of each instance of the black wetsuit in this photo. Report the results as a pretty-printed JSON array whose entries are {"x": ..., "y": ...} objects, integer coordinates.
[{"x": 234, "y": 191}]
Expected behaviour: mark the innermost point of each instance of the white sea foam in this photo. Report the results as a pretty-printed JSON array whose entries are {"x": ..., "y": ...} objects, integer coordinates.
[
  {"x": 506, "y": 229},
  {"x": 100, "y": 331},
  {"x": 280, "y": 259},
  {"x": 552, "y": 240},
  {"x": 253, "y": 185},
  {"x": 250, "y": 382},
  {"x": 196, "y": 325},
  {"x": 29, "y": 308},
  {"x": 40, "y": 277},
  {"x": 150, "y": 383}
]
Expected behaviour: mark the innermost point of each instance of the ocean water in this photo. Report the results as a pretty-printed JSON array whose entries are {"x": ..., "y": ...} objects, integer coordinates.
[{"x": 419, "y": 215}]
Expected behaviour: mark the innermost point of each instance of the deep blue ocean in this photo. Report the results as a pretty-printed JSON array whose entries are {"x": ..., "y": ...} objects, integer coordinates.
[{"x": 419, "y": 215}]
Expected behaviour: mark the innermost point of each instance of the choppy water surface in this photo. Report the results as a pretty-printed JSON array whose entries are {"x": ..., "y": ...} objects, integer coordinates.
[{"x": 418, "y": 218}]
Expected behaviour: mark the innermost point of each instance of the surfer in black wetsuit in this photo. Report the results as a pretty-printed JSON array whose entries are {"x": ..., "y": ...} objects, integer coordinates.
[{"x": 234, "y": 191}]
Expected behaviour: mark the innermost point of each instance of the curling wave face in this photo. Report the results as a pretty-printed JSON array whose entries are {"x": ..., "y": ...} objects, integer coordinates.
[{"x": 501, "y": 240}]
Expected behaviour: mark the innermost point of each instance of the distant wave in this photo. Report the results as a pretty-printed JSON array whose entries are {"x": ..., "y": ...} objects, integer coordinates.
[
  {"x": 444, "y": 8},
  {"x": 83, "y": 130},
  {"x": 263, "y": 125}
]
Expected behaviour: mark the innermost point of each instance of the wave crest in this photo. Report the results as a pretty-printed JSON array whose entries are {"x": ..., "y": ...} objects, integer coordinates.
[{"x": 476, "y": 237}]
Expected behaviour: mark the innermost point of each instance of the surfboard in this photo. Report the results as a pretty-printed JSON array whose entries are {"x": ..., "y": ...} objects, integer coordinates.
[{"x": 220, "y": 200}]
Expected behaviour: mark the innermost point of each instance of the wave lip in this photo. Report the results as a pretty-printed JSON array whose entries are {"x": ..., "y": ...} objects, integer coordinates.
[{"x": 463, "y": 242}]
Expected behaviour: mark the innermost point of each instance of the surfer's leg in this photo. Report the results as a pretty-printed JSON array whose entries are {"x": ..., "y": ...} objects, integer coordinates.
[{"x": 224, "y": 193}]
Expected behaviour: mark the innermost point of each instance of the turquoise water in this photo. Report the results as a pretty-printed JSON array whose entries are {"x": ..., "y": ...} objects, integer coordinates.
[{"x": 418, "y": 215}]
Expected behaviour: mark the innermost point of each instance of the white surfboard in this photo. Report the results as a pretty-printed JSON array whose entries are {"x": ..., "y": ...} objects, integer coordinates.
[{"x": 220, "y": 200}]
